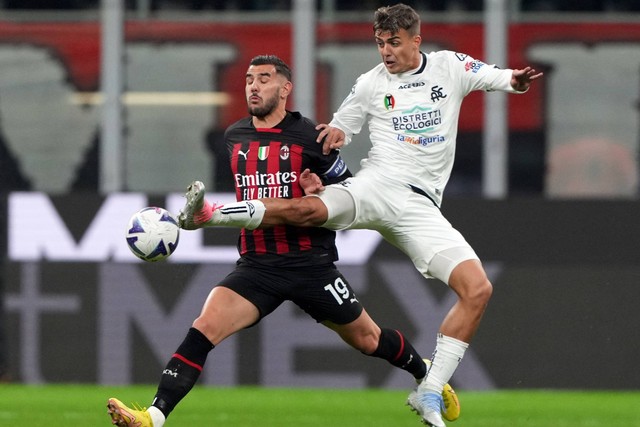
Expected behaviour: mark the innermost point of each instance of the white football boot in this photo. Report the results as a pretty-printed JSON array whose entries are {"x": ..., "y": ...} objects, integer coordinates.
[{"x": 196, "y": 211}]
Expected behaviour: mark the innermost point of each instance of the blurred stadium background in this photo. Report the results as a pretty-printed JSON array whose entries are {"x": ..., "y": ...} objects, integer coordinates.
[{"x": 556, "y": 226}]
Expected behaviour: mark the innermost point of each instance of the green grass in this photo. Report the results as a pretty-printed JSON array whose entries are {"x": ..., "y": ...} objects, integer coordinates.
[{"x": 79, "y": 405}]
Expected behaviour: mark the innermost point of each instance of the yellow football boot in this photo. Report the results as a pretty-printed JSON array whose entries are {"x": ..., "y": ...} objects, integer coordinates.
[
  {"x": 451, "y": 410},
  {"x": 123, "y": 416}
]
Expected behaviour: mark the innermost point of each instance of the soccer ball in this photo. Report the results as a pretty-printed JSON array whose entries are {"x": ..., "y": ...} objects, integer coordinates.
[{"x": 153, "y": 234}]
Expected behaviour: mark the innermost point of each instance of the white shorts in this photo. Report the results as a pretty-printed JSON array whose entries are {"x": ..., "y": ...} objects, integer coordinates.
[{"x": 408, "y": 220}]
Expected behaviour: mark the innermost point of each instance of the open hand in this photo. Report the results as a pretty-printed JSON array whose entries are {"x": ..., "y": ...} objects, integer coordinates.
[
  {"x": 331, "y": 138},
  {"x": 310, "y": 182},
  {"x": 521, "y": 79}
]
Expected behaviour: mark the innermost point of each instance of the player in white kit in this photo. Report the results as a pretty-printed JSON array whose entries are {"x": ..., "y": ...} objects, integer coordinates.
[{"x": 411, "y": 103}]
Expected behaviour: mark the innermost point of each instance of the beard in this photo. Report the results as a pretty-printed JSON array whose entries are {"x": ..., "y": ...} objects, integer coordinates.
[{"x": 267, "y": 108}]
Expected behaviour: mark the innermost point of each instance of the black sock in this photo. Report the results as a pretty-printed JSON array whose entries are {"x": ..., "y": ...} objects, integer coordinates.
[
  {"x": 182, "y": 371},
  {"x": 395, "y": 349}
]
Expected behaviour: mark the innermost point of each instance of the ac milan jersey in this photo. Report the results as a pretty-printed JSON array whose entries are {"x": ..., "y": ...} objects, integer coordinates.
[{"x": 267, "y": 162}]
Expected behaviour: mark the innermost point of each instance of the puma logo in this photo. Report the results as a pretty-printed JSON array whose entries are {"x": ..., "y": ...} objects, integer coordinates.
[{"x": 244, "y": 154}]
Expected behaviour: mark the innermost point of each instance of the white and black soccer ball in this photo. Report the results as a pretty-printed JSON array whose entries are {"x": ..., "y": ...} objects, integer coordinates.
[{"x": 153, "y": 234}]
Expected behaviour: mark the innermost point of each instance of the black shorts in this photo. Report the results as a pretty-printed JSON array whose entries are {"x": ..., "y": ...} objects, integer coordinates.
[{"x": 321, "y": 291}]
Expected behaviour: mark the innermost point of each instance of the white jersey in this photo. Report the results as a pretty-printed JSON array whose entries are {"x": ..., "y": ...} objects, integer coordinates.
[{"x": 413, "y": 116}]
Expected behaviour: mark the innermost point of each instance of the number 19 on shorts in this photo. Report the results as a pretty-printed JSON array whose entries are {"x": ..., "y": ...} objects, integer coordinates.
[{"x": 339, "y": 290}]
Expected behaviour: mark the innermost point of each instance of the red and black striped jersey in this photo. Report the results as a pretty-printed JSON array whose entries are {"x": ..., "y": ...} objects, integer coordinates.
[{"x": 267, "y": 162}]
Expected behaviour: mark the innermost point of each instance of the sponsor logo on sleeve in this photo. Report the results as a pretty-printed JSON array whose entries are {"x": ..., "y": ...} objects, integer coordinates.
[{"x": 474, "y": 66}]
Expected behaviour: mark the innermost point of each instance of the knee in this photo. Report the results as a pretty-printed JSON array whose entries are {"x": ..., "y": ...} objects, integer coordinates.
[
  {"x": 485, "y": 290},
  {"x": 207, "y": 328},
  {"x": 479, "y": 293},
  {"x": 470, "y": 282}
]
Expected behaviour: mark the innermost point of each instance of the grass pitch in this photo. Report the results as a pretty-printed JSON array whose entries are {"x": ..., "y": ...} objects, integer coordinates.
[{"x": 84, "y": 405}]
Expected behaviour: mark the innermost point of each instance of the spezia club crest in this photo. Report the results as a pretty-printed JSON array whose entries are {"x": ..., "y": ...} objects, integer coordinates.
[{"x": 389, "y": 102}]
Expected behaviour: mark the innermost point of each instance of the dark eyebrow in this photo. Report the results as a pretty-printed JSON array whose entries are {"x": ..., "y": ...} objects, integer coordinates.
[
  {"x": 392, "y": 38},
  {"x": 265, "y": 74}
]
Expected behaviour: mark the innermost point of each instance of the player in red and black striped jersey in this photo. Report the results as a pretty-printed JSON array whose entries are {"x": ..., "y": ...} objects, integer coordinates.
[
  {"x": 268, "y": 162},
  {"x": 270, "y": 151}
]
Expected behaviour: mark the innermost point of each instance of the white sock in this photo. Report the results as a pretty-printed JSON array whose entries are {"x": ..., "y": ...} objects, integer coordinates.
[
  {"x": 246, "y": 214},
  {"x": 157, "y": 417},
  {"x": 446, "y": 358}
]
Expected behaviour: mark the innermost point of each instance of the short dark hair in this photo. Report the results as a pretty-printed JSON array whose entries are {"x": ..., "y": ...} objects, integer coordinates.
[
  {"x": 394, "y": 18},
  {"x": 281, "y": 66}
]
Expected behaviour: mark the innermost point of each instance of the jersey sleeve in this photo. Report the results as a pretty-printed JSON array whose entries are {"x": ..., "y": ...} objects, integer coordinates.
[
  {"x": 476, "y": 75},
  {"x": 330, "y": 168},
  {"x": 337, "y": 170},
  {"x": 351, "y": 114}
]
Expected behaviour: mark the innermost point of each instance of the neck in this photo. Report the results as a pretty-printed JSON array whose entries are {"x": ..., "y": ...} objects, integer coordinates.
[
  {"x": 270, "y": 120},
  {"x": 417, "y": 62}
]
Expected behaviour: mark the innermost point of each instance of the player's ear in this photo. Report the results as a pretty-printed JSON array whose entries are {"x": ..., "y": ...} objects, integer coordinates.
[{"x": 286, "y": 89}]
